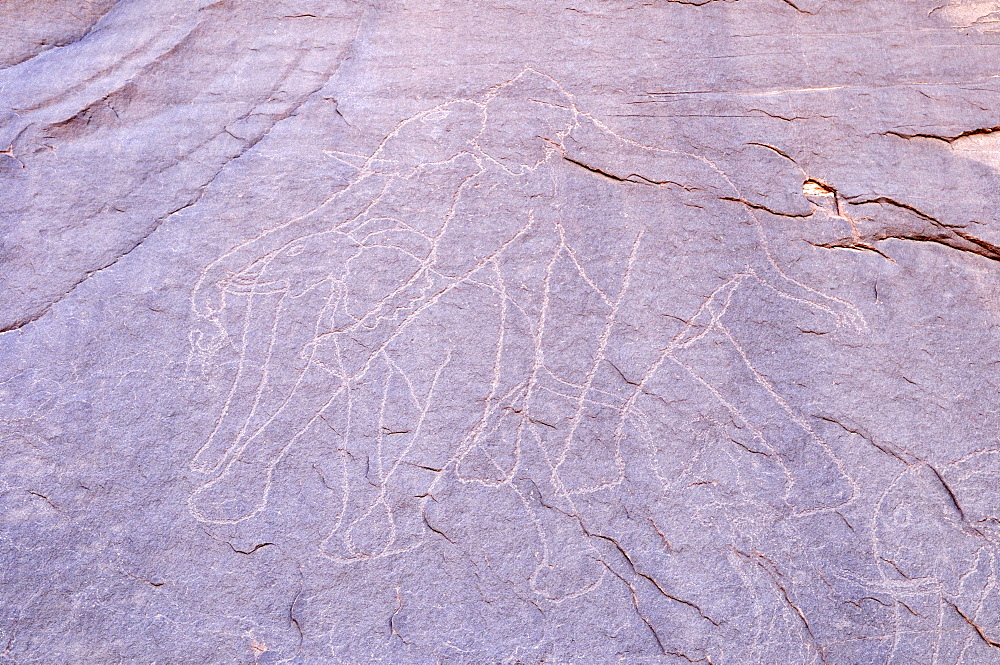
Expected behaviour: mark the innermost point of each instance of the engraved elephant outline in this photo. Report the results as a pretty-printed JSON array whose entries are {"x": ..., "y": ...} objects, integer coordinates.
[{"x": 446, "y": 148}]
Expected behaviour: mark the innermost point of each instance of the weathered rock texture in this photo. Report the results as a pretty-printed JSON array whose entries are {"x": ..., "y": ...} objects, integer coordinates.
[{"x": 514, "y": 331}]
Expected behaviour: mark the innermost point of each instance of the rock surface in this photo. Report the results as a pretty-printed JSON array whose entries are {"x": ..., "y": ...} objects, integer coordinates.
[{"x": 584, "y": 331}]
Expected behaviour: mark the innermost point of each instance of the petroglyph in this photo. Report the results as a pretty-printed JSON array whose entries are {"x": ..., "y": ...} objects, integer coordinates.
[
  {"x": 463, "y": 333},
  {"x": 459, "y": 308}
]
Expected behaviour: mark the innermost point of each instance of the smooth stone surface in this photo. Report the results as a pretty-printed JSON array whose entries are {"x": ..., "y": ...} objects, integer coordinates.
[{"x": 413, "y": 332}]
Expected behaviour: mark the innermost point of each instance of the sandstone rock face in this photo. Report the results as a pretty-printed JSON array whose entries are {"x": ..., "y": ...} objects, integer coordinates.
[{"x": 584, "y": 331}]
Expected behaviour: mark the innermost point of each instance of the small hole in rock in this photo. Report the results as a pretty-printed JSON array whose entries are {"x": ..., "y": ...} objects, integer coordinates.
[{"x": 816, "y": 188}]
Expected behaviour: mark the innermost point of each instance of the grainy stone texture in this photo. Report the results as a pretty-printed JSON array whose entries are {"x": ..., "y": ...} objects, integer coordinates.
[{"x": 513, "y": 331}]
